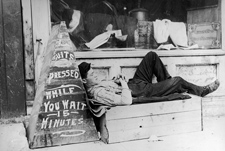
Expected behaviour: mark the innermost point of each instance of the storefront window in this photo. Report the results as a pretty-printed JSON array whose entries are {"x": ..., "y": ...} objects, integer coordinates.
[{"x": 144, "y": 24}]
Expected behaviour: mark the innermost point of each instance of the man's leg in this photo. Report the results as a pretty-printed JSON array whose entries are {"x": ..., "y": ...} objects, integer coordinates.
[
  {"x": 151, "y": 64},
  {"x": 179, "y": 85}
]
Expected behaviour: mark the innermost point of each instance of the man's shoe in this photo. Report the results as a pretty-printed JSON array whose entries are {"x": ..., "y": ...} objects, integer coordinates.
[{"x": 210, "y": 88}]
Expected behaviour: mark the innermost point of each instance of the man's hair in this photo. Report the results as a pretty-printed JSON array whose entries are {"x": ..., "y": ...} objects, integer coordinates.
[{"x": 84, "y": 67}]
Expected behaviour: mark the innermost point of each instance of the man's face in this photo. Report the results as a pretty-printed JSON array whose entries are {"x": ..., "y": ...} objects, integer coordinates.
[{"x": 92, "y": 78}]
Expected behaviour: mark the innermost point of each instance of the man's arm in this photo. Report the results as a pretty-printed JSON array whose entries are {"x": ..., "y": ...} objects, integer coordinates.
[{"x": 103, "y": 96}]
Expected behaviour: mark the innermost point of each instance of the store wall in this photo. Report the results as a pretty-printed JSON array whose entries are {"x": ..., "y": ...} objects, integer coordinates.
[{"x": 178, "y": 62}]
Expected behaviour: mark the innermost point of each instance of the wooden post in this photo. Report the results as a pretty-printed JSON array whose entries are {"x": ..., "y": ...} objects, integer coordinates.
[
  {"x": 41, "y": 31},
  {"x": 28, "y": 51},
  {"x": 12, "y": 88},
  {"x": 3, "y": 94},
  {"x": 28, "y": 41},
  {"x": 222, "y": 8}
]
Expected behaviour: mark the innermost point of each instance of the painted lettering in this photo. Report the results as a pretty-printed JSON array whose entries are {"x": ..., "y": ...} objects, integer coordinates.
[
  {"x": 48, "y": 95},
  {"x": 72, "y": 56},
  {"x": 63, "y": 55},
  {"x": 58, "y": 113},
  {"x": 50, "y": 124},
  {"x": 68, "y": 121},
  {"x": 67, "y": 73},
  {"x": 54, "y": 93},
  {"x": 63, "y": 74},
  {"x": 78, "y": 105},
  {"x": 60, "y": 92},
  {"x": 80, "y": 120},
  {"x": 57, "y": 106},
  {"x": 73, "y": 122},
  {"x": 65, "y": 104},
  {"x": 66, "y": 54},
  {"x": 72, "y": 105},
  {"x": 62, "y": 122},
  {"x": 44, "y": 123},
  {"x": 63, "y": 90},
  {"x": 76, "y": 75},
  {"x": 66, "y": 113},
  {"x": 83, "y": 105},
  {"x": 56, "y": 123},
  {"x": 71, "y": 90},
  {"x": 46, "y": 105},
  {"x": 51, "y": 107}
]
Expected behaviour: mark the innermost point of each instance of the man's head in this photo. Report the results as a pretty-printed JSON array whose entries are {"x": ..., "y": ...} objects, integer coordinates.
[
  {"x": 84, "y": 67},
  {"x": 87, "y": 74}
]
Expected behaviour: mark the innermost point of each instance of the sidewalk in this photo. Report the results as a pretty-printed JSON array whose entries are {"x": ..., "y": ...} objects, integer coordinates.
[{"x": 12, "y": 138}]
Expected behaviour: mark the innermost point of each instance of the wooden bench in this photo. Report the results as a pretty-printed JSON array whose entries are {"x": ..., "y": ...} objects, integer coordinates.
[{"x": 140, "y": 121}]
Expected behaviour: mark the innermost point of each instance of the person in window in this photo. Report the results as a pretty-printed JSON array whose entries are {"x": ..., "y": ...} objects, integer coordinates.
[{"x": 141, "y": 86}]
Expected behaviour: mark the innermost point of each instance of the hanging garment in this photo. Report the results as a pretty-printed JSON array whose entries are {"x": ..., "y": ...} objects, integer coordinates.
[{"x": 163, "y": 29}]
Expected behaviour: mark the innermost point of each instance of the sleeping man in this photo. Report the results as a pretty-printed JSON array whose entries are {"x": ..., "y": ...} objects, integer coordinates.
[
  {"x": 118, "y": 92},
  {"x": 139, "y": 89}
]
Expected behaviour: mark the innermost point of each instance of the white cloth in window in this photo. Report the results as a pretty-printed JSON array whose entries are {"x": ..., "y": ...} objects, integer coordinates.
[
  {"x": 176, "y": 30},
  {"x": 161, "y": 30}
]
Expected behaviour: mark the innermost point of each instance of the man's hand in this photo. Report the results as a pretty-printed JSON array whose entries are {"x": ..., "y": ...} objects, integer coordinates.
[
  {"x": 119, "y": 76},
  {"x": 123, "y": 83}
]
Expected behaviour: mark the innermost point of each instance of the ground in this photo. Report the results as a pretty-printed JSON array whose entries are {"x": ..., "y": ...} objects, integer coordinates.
[{"x": 212, "y": 138}]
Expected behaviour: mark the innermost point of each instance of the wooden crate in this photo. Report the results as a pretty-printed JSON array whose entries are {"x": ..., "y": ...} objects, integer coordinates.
[{"x": 140, "y": 121}]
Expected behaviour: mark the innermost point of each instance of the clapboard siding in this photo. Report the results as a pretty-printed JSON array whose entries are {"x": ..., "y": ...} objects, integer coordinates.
[
  {"x": 153, "y": 120},
  {"x": 154, "y": 108},
  {"x": 144, "y": 133}
]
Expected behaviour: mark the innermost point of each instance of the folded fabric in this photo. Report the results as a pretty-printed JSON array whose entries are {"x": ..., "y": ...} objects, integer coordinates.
[
  {"x": 176, "y": 30},
  {"x": 98, "y": 40},
  {"x": 178, "y": 34},
  {"x": 161, "y": 30}
]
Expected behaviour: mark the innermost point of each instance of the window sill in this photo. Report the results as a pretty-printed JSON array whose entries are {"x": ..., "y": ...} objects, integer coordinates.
[{"x": 130, "y": 53}]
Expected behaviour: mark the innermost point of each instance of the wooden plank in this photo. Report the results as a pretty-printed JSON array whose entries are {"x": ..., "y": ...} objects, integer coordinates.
[
  {"x": 41, "y": 31},
  {"x": 163, "y": 130},
  {"x": 28, "y": 50},
  {"x": 154, "y": 108},
  {"x": 3, "y": 93},
  {"x": 153, "y": 121},
  {"x": 213, "y": 106},
  {"x": 30, "y": 90},
  {"x": 28, "y": 40},
  {"x": 15, "y": 104}
]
